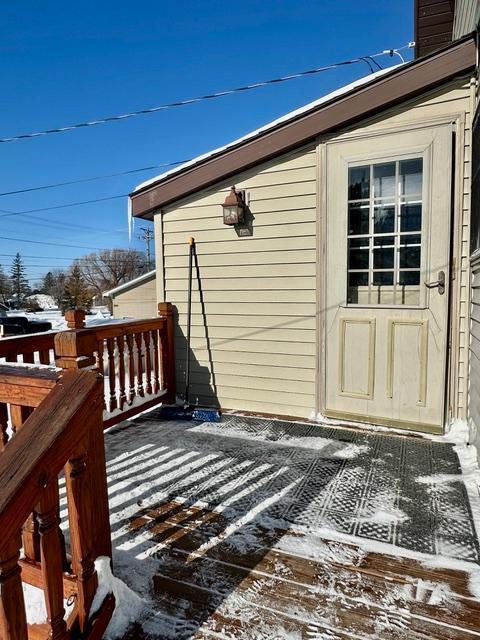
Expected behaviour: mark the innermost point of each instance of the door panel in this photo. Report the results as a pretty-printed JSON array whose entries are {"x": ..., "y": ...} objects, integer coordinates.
[{"x": 387, "y": 247}]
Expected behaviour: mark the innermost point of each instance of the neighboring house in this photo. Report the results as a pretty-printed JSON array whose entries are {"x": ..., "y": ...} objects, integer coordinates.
[
  {"x": 346, "y": 291},
  {"x": 136, "y": 298}
]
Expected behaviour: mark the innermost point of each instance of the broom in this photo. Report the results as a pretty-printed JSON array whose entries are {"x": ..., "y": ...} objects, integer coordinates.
[{"x": 189, "y": 412}]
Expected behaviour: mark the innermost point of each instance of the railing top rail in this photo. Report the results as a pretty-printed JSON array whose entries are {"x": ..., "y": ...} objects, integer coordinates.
[
  {"x": 25, "y": 343},
  {"x": 26, "y": 386},
  {"x": 116, "y": 329},
  {"x": 31, "y": 375},
  {"x": 37, "y": 454}
]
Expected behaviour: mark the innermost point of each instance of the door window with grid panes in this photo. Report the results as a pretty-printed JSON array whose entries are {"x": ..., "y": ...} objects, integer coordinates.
[{"x": 385, "y": 233}]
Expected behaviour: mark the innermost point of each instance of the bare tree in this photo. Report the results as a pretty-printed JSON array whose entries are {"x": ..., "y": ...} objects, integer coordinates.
[{"x": 109, "y": 268}]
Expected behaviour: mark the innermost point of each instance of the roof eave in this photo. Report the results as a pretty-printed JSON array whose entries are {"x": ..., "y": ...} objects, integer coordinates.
[
  {"x": 401, "y": 84},
  {"x": 130, "y": 284}
]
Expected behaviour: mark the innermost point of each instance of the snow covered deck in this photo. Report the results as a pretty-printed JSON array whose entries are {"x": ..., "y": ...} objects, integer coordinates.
[{"x": 264, "y": 529}]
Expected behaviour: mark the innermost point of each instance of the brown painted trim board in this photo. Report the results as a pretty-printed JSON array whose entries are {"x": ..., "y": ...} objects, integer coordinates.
[{"x": 392, "y": 88}]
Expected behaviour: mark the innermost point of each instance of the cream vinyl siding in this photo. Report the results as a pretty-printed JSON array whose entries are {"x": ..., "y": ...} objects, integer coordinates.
[
  {"x": 467, "y": 15},
  {"x": 139, "y": 301},
  {"x": 260, "y": 350},
  {"x": 474, "y": 378},
  {"x": 257, "y": 351}
]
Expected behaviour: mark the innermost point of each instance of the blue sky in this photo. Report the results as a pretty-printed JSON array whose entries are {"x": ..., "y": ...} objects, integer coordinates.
[{"x": 65, "y": 62}]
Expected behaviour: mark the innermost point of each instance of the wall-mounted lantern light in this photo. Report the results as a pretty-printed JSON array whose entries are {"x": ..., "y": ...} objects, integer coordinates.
[{"x": 234, "y": 207}]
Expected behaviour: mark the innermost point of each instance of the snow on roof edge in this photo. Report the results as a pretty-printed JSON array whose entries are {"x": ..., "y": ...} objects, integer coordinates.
[
  {"x": 128, "y": 284},
  {"x": 270, "y": 125}
]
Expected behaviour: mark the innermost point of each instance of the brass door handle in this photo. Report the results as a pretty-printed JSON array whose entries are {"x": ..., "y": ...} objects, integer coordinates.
[{"x": 438, "y": 284}]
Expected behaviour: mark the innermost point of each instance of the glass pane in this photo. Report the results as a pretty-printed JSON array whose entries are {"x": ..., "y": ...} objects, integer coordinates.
[
  {"x": 358, "y": 215},
  {"x": 358, "y": 183},
  {"x": 357, "y": 292},
  {"x": 411, "y": 239},
  {"x": 411, "y": 177},
  {"x": 410, "y": 258},
  {"x": 385, "y": 241},
  {"x": 384, "y": 218},
  {"x": 358, "y": 279},
  {"x": 383, "y": 278},
  {"x": 411, "y": 216},
  {"x": 384, "y": 180},
  {"x": 358, "y": 259},
  {"x": 383, "y": 258},
  {"x": 409, "y": 277}
]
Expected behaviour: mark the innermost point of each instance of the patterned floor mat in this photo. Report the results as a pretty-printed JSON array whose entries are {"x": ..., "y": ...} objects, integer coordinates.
[{"x": 405, "y": 491}]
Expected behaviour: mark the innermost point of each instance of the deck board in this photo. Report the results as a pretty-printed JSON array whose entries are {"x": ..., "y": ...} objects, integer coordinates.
[{"x": 272, "y": 589}]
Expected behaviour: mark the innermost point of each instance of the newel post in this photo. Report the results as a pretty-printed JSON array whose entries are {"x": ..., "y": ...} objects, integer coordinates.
[
  {"x": 167, "y": 351},
  {"x": 76, "y": 350},
  {"x": 75, "y": 318}
]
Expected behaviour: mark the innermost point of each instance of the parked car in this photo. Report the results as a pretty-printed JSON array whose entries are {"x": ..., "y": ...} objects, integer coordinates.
[{"x": 18, "y": 325}]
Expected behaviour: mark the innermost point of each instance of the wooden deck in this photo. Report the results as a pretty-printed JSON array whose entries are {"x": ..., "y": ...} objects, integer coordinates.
[
  {"x": 263, "y": 592},
  {"x": 210, "y": 524}
]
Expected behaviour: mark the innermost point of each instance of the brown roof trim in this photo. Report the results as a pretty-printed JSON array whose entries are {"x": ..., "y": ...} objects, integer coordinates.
[{"x": 399, "y": 85}]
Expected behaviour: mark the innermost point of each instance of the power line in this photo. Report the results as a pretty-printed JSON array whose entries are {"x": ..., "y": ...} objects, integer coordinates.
[
  {"x": 52, "y": 244},
  {"x": 368, "y": 60},
  {"x": 62, "y": 206},
  {"x": 92, "y": 178}
]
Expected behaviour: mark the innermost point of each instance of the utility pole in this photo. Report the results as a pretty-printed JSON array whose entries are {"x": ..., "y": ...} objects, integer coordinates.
[{"x": 147, "y": 236}]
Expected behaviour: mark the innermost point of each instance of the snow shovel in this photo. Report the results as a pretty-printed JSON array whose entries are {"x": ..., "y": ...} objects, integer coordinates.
[{"x": 189, "y": 412}]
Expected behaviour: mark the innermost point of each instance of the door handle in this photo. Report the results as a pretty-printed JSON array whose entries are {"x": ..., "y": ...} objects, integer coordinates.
[{"x": 439, "y": 284}]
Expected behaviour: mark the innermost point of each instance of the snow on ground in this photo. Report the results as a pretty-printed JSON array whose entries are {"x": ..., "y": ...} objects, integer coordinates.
[
  {"x": 43, "y": 300},
  {"x": 260, "y": 478},
  {"x": 257, "y": 480},
  {"x": 99, "y": 315}
]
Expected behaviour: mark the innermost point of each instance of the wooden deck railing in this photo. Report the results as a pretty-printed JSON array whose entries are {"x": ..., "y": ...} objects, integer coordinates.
[
  {"x": 64, "y": 431},
  {"x": 136, "y": 358}
]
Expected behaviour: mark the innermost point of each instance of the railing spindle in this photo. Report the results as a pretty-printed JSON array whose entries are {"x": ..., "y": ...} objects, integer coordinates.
[
  {"x": 13, "y": 619},
  {"x": 30, "y": 536},
  {"x": 52, "y": 552},
  {"x": 81, "y": 506},
  {"x": 156, "y": 380},
  {"x": 148, "y": 362},
  {"x": 131, "y": 369},
  {"x": 138, "y": 343},
  {"x": 121, "y": 371},
  {"x": 99, "y": 363},
  {"x": 3, "y": 424},
  {"x": 112, "y": 400},
  {"x": 44, "y": 356}
]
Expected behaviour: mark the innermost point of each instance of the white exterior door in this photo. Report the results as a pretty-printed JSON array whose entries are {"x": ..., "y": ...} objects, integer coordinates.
[{"x": 387, "y": 255}]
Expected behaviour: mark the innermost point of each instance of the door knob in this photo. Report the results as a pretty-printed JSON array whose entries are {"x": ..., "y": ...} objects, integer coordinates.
[{"x": 439, "y": 284}]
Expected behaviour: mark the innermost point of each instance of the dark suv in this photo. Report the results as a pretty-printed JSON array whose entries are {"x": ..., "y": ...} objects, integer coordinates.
[{"x": 18, "y": 325}]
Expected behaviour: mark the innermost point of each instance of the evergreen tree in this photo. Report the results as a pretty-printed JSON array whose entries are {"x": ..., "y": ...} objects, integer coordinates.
[
  {"x": 18, "y": 280},
  {"x": 5, "y": 287},
  {"x": 48, "y": 283},
  {"x": 78, "y": 294}
]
